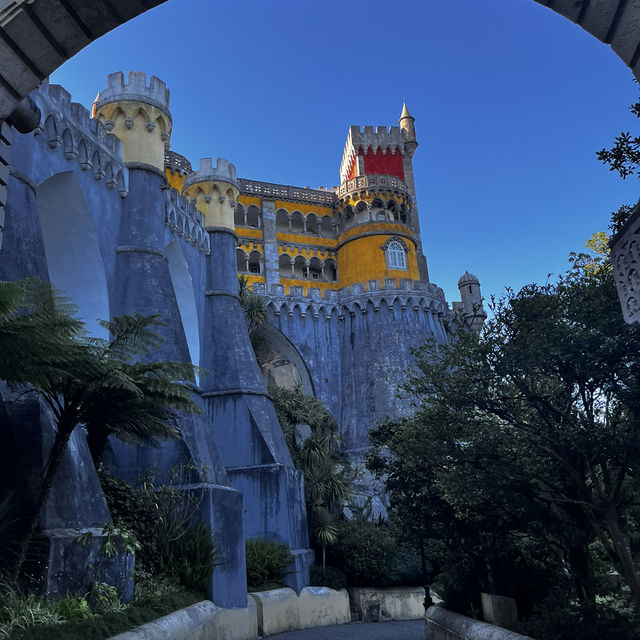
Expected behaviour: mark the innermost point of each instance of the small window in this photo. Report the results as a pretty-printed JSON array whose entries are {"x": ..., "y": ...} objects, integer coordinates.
[
  {"x": 254, "y": 268},
  {"x": 396, "y": 258},
  {"x": 315, "y": 276}
]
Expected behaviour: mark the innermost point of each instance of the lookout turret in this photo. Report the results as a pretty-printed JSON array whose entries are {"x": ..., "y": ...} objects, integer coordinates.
[
  {"x": 408, "y": 128},
  {"x": 214, "y": 191},
  {"x": 137, "y": 114},
  {"x": 471, "y": 297}
]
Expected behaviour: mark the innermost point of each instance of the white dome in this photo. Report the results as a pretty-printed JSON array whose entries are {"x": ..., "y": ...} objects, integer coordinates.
[{"x": 467, "y": 278}]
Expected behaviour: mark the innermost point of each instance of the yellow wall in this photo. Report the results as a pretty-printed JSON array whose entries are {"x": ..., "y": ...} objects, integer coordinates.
[
  {"x": 244, "y": 232},
  {"x": 174, "y": 179},
  {"x": 252, "y": 278},
  {"x": 245, "y": 201},
  {"x": 296, "y": 238},
  {"x": 363, "y": 259}
]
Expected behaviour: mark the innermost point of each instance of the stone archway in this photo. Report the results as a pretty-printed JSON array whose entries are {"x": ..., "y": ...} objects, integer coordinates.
[
  {"x": 72, "y": 248},
  {"x": 613, "y": 22},
  {"x": 37, "y": 36}
]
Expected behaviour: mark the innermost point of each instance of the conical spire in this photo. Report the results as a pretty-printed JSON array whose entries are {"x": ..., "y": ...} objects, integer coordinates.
[{"x": 405, "y": 112}]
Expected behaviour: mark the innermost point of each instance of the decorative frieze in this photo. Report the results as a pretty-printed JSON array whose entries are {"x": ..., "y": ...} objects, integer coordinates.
[{"x": 625, "y": 258}]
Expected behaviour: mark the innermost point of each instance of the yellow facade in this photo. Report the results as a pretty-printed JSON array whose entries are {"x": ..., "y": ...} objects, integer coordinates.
[
  {"x": 175, "y": 179},
  {"x": 361, "y": 257},
  {"x": 252, "y": 278},
  {"x": 246, "y": 201},
  {"x": 245, "y": 232},
  {"x": 213, "y": 199},
  {"x": 305, "y": 239}
]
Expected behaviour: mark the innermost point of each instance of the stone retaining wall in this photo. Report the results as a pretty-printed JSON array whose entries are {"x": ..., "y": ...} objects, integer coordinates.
[
  {"x": 267, "y": 613},
  {"x": 441, "y": 624},
  {"x": 393, "y": 603}
]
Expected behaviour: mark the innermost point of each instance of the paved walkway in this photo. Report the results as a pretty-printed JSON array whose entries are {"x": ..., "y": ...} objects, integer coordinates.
[{"x": 400, "y": 630}]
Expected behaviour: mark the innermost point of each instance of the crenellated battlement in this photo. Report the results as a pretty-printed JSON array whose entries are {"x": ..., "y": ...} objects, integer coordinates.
[
  {"x": 68, "y": 126},
  {"x": 185, "y": 221},
  {"x": 387, "y": 139},
  {"x": 405, "y": 293},
  {"x": 224, "y": 171},
  {"x": 135, "y": 89}
]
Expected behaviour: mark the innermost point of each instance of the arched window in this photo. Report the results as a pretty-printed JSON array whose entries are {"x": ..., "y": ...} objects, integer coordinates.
[{"x": 396, "y": 258}]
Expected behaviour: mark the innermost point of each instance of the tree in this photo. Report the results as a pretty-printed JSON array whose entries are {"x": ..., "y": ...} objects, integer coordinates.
[
  {"x": 253, "y": 306},
  {"x": 544, "y": 403},
  {"x": 624, "y": 158},
  {"x": 325, "y": 478},
  {"x": 36, "y": 330},
  {"x": 87, "y": 381}
]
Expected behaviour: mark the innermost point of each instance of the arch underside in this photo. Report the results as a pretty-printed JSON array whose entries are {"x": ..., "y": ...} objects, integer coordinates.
[
  {"x": 613, "y": 22},
  {"x": 44, "y": 34},
  {"x": 280, "y": 362}
]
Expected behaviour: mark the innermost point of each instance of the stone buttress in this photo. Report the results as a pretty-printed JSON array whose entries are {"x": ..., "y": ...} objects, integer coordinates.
[
  {"x": 247, "y": 431},
  {"x": 139, "y": 115}
]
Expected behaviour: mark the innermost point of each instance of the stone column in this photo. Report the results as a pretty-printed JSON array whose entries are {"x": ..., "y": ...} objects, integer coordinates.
[{"x": 270, "y": 244}]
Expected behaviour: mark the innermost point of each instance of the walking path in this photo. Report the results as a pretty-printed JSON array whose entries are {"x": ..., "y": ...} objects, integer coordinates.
[{"x": 395, "y": 630}]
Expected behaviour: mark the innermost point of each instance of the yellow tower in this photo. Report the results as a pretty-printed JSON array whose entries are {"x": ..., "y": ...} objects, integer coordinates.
[
  {"x": 214, "y": 191},
  {"x": 137, "y": 114}
]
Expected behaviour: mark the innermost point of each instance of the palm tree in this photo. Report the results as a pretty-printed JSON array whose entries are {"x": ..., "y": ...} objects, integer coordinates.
[
  {"x": 94, "y": 382},
  {"x": 325, "y": 480},
  {"x": 253, "y": 306}
]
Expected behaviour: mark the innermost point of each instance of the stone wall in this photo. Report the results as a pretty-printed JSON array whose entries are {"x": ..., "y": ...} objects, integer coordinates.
[{"x": 441, "y": 624}]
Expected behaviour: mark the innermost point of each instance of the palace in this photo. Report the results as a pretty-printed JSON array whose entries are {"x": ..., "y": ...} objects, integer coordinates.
[{"x": 99, "y": 204}]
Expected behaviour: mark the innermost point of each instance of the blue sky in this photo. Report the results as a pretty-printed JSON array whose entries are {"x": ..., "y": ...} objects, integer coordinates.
[{"x": 511, "y": 102}]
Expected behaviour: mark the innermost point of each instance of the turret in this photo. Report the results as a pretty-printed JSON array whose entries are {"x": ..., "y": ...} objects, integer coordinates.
[
  {"x": 408, "y": 128},
  {"x": 214, "y": 191},
  {"x": 137, "y": 114},
  {"x": 471, "y": 297}
]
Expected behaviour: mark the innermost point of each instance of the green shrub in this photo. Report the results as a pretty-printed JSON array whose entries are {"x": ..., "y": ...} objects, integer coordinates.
[
  {"x": 370, "y": 555},
  {"x": 328, "y": 577},
  {"x": 150, "y": 587},
  {"x": 161, "y": 519},
  {"x": 136, "y": 510},
  {"x": 191, "y": 558},
  {"x": 19, "y": 612},
  {"x": 103, "y": 598},
  {"x": 558, "y": 618},
  {"x": 110, "y": 624},
  {"x": 267, "y": 564},
  {"x": 72, "y": 608}
]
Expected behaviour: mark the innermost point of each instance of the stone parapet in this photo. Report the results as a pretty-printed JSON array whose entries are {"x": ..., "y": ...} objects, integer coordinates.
[
  {"x": 442, "y": 624},
  {"x": 134, "y": 89},
  {"x": 390, "y": 603},
  {"x": 272, "y": 191},
  {"x": 372, "y": 181},
  {"x": 224, "y": 171},
  {"x": 177, "y": 162},
  {"x": 185, "y": 221},
  {"x": 200, "y": 621},
  {"x": 68, "y": 127}
]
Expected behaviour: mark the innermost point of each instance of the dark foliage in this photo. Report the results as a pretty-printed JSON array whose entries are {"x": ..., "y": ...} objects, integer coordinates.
[
  {"x": 267, "y": 564},
  {"x": 112, "y": 624},
  {"x": 328, "y": 577}
]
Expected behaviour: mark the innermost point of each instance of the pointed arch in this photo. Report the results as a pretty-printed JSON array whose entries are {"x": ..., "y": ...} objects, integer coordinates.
[
  {"x": 72, "y": 248},
  {"x": 185, "y": 297}
]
